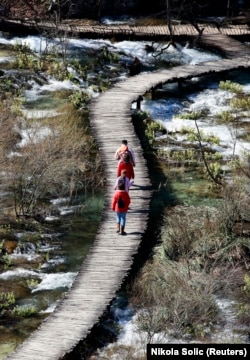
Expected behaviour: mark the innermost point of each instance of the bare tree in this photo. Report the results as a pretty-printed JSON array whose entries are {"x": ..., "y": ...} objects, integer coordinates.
[
  {"x": 185, "y": 11},
  {"x": 209, "y": 172}
]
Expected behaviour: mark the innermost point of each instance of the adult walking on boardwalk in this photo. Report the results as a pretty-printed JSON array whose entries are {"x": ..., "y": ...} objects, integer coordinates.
[
  {"x": 124, "y": 147},
  {"x": 120, "y": 204},
  {"x": 125, "y": 179},
  {"x": 125, "y": 164},
  {"x": 135, "y": 67}
]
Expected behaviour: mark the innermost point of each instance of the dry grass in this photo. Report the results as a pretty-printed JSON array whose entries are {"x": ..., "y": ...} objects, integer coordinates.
[
  {"x": 59, "y": 159},
  {"x": 121, "y": 352},
  {"x": 200, "y": 256},
  {"x": 173, "y": 299}
]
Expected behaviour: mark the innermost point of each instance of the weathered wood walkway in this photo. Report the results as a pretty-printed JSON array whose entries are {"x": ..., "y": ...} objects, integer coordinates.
[
  {"x": 121, "y": 30},
  {"x": 111, "y": 256}
]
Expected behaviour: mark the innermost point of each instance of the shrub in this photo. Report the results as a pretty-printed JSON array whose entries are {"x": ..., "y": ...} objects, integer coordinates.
[
  {"x": 230, "y": 86},
  {"x": 190, "y": 309},
  {"x": 50, "y": 165},
  {"x": 194, "y": 115},
  {"x": 25, "y": 311},
  {"x": 79, "y": 99},
  {"x": 242, "y": 103},
  {"x": 6, "y": 300}
]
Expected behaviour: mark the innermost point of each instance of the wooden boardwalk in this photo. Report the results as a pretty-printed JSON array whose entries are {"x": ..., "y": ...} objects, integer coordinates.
[
  {"x": 121, "y": 30},
  {"x": 111, "y": 256},
  {"x": 226, "y": 46}
]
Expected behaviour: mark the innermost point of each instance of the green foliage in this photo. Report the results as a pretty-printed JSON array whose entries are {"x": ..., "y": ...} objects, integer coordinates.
[
  {"x": 215, "y": 169},
  {"x": 186, "y": 130},
  {"x": 32, "y": 283},
  {"x": 22, "y": 48},
  {"x": 82, "y": 71},
  {"x": 225, "y": 117},
  {"x": 1, "y": 245},
  {"x": 192, "y": 136},
  {"x": 213, "y": 156},
  {"x": 104, "y": 84},
  {"x": 243, "y": 311},
  {"x": 79, "y": 99},
  {"x": 95, "y": 88},
  {"x": 140, "y": 115},
  {"x": 6, "y": 260},
  {"x": 241, "y": 164},
  {"x": 31, "y": 237},
  {"x": 6, "y": 85},
  {"x": 231, "y": 86},
  {"x": 182, "y": 156},
  {"x": 212, "y": 139},
  {"x": 59, "y": 70},
  {"x": 107, "y": 56},
  {"x": 6, "y": 300},
  {"x": 26, "y": 59},
  {"x": 24, "y": 311},
  {"x": 194, "y": 115},
  {"x": 16, "y": 106},
  {"x": 47, "y": 256},
  {"x": 5, "y": 229},
  {"x": 246, "y": 287},
  {"x": 188, "y": 156},
  {"x": 241, "y": 103},
  {"x": 152, "y": 127}
]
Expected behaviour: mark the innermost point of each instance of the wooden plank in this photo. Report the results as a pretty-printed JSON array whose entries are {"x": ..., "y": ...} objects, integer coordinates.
[{"x": 126, "y": 31}]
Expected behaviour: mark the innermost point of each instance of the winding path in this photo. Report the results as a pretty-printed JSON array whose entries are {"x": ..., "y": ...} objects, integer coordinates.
[{"x": 111, "y": 256}]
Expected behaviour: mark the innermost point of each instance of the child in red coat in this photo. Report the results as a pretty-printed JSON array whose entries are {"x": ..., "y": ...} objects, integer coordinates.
[{"x": 120, "y": 204}]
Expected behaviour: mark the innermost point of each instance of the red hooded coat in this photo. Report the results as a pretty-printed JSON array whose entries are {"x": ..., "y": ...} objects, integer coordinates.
[{"x": 126, "y": 200}]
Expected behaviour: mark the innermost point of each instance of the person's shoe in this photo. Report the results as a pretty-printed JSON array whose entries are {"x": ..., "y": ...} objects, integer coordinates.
[
  {"x": 118, "y": 228},
  {"x": 122, "y": 231}
]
